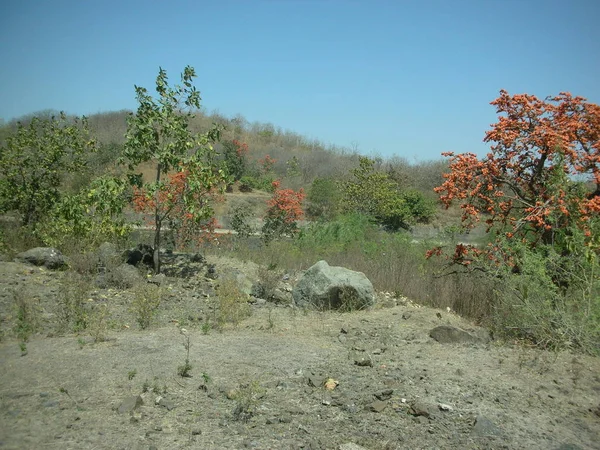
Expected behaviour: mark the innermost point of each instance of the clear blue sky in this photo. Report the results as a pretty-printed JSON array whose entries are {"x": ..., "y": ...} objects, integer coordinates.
[{"x": 407, "y": 78}]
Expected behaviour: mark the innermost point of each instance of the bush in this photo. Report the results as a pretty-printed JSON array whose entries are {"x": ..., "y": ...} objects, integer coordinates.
[
  {"x": 233, "y": 304},
  {"x": 145, "y": 303}
]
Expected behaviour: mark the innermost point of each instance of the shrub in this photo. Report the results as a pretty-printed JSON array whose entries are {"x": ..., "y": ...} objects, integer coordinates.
[
  {"x": 283, "y": 213},
  {"x": 233, "y": 304},
  {"x": 145, "y": 303}
]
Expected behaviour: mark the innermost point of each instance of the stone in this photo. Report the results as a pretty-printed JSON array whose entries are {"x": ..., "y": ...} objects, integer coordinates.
[
  {"x": 327, "y": 287},
  {"x": 484, "y": 427},
  {"x": 447, "y": 334},
  {"x": 48, "y": 257},
  {"x": 351, "y": 446},
  {"x": 384, "y": 395},
  {"x": 143, "y": 254},
  {"x": 130, "y": 404},
  {"x": 377, "y": 406},
  {"x": 421, "y": 408},
  {"x": 123, "y": 277},
  {"x": 169, "y": 404}
]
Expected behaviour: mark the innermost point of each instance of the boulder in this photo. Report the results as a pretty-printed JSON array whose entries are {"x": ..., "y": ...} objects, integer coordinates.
[
  {"x": 327, "y": 287},
  {"x": 143, "y": 253},
  {"x": 447, "y": 334},
  {"x": 124, "y": 276},
  {"x": 48, "y": 257}
]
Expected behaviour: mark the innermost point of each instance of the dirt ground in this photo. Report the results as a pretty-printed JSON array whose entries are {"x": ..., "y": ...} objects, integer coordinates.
[{"x": 283, "y": 378}]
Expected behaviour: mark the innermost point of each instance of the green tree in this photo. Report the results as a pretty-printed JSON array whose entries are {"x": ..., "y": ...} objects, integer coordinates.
[
  {"x": 376, "y": 195},
  {"x": 34, "y": 161},
  {"x": 159, "y": 132},
  {"x": 323, "y": 199}
]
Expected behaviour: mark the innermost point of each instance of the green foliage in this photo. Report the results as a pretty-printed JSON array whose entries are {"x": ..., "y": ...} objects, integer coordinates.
[
  {"x": 376, "y": 195},
  {"x": 34, "y": 161},
  {"x": 550, "y": 300},
  {"x": 92, "y": 215},
  {"x": 145, "y": 303},
  {"x": 337, "y": 235},
  {"x": 240, "y": 220},
  {"x": 159, "y": 132},
  {"x": 234, "y": 154},
  {"x": 324, "y": 199},
  {"x": 233, "y": 304},
  {"x": 259, "y": 182}
]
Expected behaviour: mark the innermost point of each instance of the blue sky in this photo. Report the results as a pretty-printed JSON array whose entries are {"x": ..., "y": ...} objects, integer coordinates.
[{"x": 406, "y": 78}]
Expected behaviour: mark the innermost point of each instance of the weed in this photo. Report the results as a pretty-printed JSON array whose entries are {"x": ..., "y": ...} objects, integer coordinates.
[
  {"x": 23, "y": 348},
  {"x": 270, "y": 320},
  {"x": 184, "y": 370},
  {"x": 81, "y": 343},
  {"x": 247, "y": 398},
  {"x": 233, "y": 304},
  {"x": 73, "y": 292},
  {"x": 26, "y": 316},
  {"x": 206, "y": 377},
  {"x": 206, "y": 327},
  {"x": 268, "y": 280},
  {"x": 97, "y": 324},
  {"x": 145, "y": 303},
  {"x": 131, "y": 374},
  {"x": 146, "y": 386}
]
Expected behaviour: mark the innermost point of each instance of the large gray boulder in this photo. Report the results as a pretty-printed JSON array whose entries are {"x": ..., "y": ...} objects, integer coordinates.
[
  {"x": 48, "y": 257},
  {"x": 327, "y": 287}
]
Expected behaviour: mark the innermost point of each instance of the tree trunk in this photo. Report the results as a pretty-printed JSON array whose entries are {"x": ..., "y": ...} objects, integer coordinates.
[{"x": 157, "y": 224}]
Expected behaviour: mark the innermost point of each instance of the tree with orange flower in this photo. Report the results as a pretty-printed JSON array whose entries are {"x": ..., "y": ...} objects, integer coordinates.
[
  {"x": 283, "y": 213},
  {"x": 539, "y": 182},
  {"x": 159, "y": 133}
]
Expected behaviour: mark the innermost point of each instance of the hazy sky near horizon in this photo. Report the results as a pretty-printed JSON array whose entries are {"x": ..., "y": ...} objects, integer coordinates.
[{"x": 406, "y": 78}]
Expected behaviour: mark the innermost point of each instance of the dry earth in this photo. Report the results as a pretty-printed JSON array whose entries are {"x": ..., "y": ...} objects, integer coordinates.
[{"x": 282, "y": 379}]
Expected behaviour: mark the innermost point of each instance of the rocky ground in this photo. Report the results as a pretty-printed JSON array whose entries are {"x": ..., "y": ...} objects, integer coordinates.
[{"x": 283, "y": 378}]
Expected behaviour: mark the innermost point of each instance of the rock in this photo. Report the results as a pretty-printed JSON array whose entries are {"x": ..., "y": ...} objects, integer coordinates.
[
  {"x": 169, "y": 404},
  {"x": 130, "y": 404},
  {"x": 377, "y": 406},
  {"x": 240, "y": 280},
  {"x": 447, "y": 334},
  {"x": 485, "y": 427},
  {"x": 143, "y": 254},
  {"x": 326, "y": 287},
  {"x": 159, "y": 279},
  {"x": 444, "y": 407},
  {"x": 363, "y": 361},
  {"x": 123, "y": 277},
  {"x": 421, "y": 408},
  {"x": 281, "y": 296},
  {"x": 108, "y": 255},
  {"x": 384, "y": 395},
  {"x": 48, "y": 257}
]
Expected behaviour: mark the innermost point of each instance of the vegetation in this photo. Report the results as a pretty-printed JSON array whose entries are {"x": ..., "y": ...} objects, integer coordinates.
[
  {"x": 159, "y": 133},
  {"x": 534, "y": 276},
  {"x": 538, "y": 191}
]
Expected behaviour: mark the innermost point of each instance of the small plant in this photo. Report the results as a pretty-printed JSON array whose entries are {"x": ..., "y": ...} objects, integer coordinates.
[
  {"x": 73, "y": 292},
  {"x": 233, "y": 303},
  {"x": 206, "y": 377},
  {"x": 145, "y": 303},
  {"x": 268, "y": 280},
  {"x": 131, "y": 374},
  {"x": 81, "y": 343},
  {"x": 206, "y": 327},
  {"x": 247, "y": 397},
  {"x": 27, "y": 317},
  {"x": 270, "y": 320},
  {"x": 184, "y": 370},
  {"x": 23, "y": 348},
  {"x": 98, "y": 322},
  {"x": 146, "y": 386}
]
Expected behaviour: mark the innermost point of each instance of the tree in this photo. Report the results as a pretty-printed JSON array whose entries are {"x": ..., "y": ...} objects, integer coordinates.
[
  {"x": 159, "y": 132},
  {"x": 35, "y": 160},
  {"x": 376, "y": 195},
  {"x": 283, "y": 213},
  {"x": 234, "y": 153},
  {"x": 539, "y": 182}
]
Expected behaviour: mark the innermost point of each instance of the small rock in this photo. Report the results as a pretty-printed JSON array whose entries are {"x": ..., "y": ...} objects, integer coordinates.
[
  {"x": 377, "y": 406},
  {"x": 485, "y": 427},
  {"x": 363, "y": 362},
  {"x": 169, "y": 404},
  {"x": 444, "y": 407},
  {"x": 447, "y": 334},
  {"x": 406, "y": 315},
  {"x": 421, "y": 408},
  {"x": 130, "y": 404},
  {"x": 196, "y": 432},
  {"x": 384, "y": 395}
]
